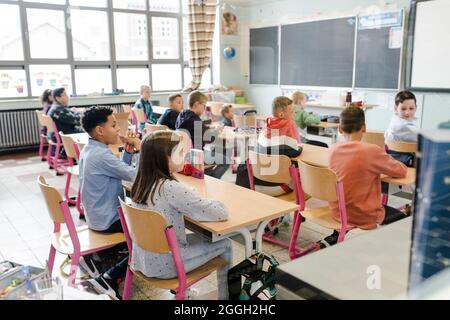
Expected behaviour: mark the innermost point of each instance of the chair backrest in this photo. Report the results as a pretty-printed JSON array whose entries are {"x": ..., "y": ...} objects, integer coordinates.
[
  {"x": 41, "y": 120},
  {"x": 400, "y": 146},
  {"x": 127, "y": 108},
  {"x": 270, "y": 168},
  {"x": 245, "y": 122},
  {"x": 122, "y": 121},
  {"x": 48, "y": 122},
  {"x": 185, "y": 140},
  {"x": 146, "y": 228},
  {"x": 69, "y": 146},
  {"x": 52, "y": 199},
  {"x": 140, "y": 115},
  {"x": 318, "y": 182},
  {"x": 80, "y": 145},
  {"x": 215, "y": 107},
  {"x": 374, "y": 137},
  {"x": 155, "y": 127}
]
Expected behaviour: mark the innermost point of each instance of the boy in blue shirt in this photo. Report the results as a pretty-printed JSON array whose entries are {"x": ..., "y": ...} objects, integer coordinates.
[
  {"x": 169, "y": 118},
  {"x": 145, "y": 104},
  {"x": 101, "y": 175}
]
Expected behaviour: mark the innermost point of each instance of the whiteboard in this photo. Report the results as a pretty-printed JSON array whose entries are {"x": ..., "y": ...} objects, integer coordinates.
[{"x": 430, "y": 56}]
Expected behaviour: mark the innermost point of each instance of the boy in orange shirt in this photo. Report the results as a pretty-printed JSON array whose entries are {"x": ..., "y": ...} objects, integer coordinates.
[{"x": 359, "y": 165}]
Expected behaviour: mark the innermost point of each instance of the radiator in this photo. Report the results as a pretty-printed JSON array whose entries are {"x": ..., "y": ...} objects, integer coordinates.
[{"x": 18, "y": 129}]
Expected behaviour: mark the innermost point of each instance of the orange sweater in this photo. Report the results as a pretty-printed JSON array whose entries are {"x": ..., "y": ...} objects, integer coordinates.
[{"x": 359, "y": 165}]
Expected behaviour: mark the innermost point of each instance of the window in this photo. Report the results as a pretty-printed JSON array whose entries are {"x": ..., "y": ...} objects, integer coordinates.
[
  {"x": 89, "y": 81},
  {"x": 130, "y": 4},
  {"x": 11, "y": 46},
  {"x": 45, "y": 29},
  {"x": 90, "y": 3},
  {"x": 130, "y": 79},
  {"x": 48, "y": 1},
  {"x": 206, "y": 78},
  {"x": 165, "y": 5},
  {"x": 87, "y": 45},
  {"x": 166, "y": 77},
  {"x": 13, "y": 83},
  {"x": 131, "y": 44},
  {"x": 90, "y": 35},
  {"x": 165, "y": 41},
  {"x": 49, "y": 77}
]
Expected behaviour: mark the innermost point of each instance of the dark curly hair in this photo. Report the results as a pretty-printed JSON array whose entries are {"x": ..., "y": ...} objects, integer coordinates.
[
  {"x": 95, "y": 116},
  {"x": 404, "y": 95}
]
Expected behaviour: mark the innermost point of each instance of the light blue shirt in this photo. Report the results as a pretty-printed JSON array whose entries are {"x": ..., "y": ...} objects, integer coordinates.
[{"x": 101, "y": 175}]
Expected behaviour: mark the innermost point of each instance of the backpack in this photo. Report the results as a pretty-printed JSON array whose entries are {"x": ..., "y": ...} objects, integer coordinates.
[{"x": 258, "y": 284}]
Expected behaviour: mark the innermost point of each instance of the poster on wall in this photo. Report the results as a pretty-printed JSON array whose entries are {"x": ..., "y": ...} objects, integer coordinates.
[{"x": 229, "y": 24}]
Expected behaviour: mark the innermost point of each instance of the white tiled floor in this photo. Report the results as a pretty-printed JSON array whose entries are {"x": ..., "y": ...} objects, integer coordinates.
[{"x": 25, "y": 226}]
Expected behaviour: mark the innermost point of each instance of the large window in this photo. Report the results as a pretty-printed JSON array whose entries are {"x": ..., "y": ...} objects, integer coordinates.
[{"x": 89, "y": 48}]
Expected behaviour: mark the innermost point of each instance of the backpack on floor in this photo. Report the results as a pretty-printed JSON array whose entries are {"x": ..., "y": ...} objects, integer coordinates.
[{"x": 259, "y": 284}]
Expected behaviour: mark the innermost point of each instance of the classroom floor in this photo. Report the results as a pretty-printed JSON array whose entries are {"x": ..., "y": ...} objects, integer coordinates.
[{"x": 25, "y": 226}]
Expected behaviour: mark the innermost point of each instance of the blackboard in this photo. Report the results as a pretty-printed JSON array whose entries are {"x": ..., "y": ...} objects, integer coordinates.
[
  {"x": 264, "y": 55},
  {"x": 318, "y": 53},
  {"x": 379, "y": 43}
]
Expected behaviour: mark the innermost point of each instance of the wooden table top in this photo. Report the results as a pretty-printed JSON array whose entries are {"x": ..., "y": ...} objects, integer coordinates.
[{"x": 246, "y": 207}]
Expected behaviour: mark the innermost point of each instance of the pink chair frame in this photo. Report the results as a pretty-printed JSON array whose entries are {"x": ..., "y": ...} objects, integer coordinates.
[
  {"x": 294, "y": 251},
  {"x": 54, "y": 161},
  {"x": 77, "y": 201},
  {"x": 75, "y": 242},
  {"x": 176, "y": 255}
]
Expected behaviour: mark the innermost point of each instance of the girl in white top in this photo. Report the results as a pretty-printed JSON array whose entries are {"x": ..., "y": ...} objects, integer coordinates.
[
  {"x": 402, "y": 127},
  {"x": 155, "y": 188}
]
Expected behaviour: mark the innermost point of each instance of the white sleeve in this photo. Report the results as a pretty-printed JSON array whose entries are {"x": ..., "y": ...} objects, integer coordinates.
[{"x": 192, "y": 204}]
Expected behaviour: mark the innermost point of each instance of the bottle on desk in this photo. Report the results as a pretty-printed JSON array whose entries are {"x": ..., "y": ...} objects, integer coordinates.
[{"x": 348, "y": 99}]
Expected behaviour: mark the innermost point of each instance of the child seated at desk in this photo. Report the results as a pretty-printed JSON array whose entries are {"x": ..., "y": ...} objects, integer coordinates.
[
  {"x": 190, "y": 121},
  {"x": 303, "y": 119},
  {"x": 359, "y": 166},
  {"x": 227, "y": 115},
  {"x": 169, "y": 118},
  {"x": 101, "y": 175},
  {"x": 402, "y": 127},
  {"x": 280, "y": 136},
  {"x": 145, "y": 104},
  {"x": 155, "y": 188}
]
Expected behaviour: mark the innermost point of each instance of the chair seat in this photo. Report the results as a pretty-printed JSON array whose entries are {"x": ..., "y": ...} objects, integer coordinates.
[
  {"x": 291, "y": 197},
  {"x": 322, "y": 216},
  {"x": 191, "y": 277},
  {"x": 74, "y": 170},
  {"x": 89, "y": 240}
]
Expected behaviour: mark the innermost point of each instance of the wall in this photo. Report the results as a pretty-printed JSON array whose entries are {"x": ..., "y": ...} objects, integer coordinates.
[{"x": 434, "y": 108}]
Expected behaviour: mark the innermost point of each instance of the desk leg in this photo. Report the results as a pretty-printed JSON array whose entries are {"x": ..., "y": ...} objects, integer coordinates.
[
  {"x": 259, "y": 235},
  {"x": 248, "y": 241},
  {"x": 334, "y": 136}
]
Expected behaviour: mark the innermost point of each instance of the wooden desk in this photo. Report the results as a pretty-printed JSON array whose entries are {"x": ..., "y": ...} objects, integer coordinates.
[
  {"x": 159, "y": 110},
  {"x": 318, "y": 156},
  {"x": 246, "y": 207},
  {"x": 325, "y": 125},
  {"x": 332, "y": 106},
  {"x": 341, "y": 271}
]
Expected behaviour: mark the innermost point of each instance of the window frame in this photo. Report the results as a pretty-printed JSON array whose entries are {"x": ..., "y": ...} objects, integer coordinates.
[{"x": 113, "y": 64}]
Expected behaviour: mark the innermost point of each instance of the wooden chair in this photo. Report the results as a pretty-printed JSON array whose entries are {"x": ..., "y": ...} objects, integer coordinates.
[
  {"x": 400, "y": 146},
  {"x": 54, "y": 161},
  {"x": 122, "y": 121},
  {"x": 150, "y": 231},
  {"x": 42, "y": 137},
  {"x": 154, "y": 127},
  {"x": 76, "y": 242},
  {"x": 72, "y": 153},
  {"x": 278, "y": 169},
  {"x": 322, "y": 183},
  {"x": 374, "y": 137}
]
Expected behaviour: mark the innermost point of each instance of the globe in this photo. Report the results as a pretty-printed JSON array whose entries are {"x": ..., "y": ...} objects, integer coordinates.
[{"x": 229, "y": 52}]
